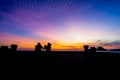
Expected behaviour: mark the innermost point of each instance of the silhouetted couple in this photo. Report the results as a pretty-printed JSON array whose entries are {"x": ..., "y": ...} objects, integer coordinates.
[
  {"x": 90, "y": 51},
  {"x": 47, "y": 47}
]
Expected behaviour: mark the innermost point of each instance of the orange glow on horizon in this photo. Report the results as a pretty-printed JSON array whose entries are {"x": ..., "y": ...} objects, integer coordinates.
[{"x": 63, "y": 44}]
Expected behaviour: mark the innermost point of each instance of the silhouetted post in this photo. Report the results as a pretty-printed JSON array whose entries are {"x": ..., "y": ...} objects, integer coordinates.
[
  {"x": 86, "y": 50},
  {"x": 14, "y": 47},
  {"x": 38, "y": 47}
]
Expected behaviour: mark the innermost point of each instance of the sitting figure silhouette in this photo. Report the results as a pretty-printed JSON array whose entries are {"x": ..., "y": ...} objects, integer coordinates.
[
  {"x": 14, "y": 47},
  {"x": 4, "y": 48},
  {"x": 86, "y": 48},
  {"x": 92, "y": 50},
  {"x": 48, "y": 47},
  {"x": 38, "y": 47},
  {"x": 88, "y": 51}
]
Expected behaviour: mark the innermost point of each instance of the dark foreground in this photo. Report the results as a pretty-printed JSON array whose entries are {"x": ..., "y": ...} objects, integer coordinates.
[{"x": 28, "y": 57}]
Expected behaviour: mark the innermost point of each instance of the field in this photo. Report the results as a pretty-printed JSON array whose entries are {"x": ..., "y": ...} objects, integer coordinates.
[{"x": 58, "y": 57}]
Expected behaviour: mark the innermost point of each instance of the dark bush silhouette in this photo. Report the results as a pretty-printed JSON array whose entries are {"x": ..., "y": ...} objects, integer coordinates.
[
  {"x": 38, "y": 47},
  {"x": 101, "y": 49},
  {"x": 14, "y": 47}
]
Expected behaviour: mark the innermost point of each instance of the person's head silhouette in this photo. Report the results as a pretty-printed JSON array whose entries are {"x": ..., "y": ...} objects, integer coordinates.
[
  {"x": 48, "y": 47},
  {"x": 38, "y": 44},
  {"x": 38, "y": 47},
  {"x": 49, "y": 44}
]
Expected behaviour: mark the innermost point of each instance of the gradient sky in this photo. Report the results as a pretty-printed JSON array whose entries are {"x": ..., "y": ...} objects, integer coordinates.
[{"x": 67, "y": 24}]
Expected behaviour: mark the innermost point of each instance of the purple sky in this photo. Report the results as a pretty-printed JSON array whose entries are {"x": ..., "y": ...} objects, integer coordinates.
[{"x": 67, "y": 24}]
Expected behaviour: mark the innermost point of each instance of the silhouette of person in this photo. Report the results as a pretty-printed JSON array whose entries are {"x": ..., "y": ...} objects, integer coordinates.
[
  {"x": 48, "y": 47},
  {"x": 38, "y": 47},
  {"x": 92, "y": 50},
  {"x": 86, "y": 50},
  {"x": 4, "y": 48},
  {"x": 14, "y": 47},
  {"x": 45, "y": 46}
]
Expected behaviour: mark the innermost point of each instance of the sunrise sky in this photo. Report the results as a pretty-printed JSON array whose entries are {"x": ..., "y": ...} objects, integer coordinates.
[{"x": 67, "y": 24}]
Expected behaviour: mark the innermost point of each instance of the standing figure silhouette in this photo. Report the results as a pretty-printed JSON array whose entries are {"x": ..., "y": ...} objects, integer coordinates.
[{"x": 38, "y": 47}]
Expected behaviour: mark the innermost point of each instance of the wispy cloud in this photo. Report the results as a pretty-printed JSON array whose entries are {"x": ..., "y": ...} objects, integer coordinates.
[
  {"x": 108, "y": 44},
  {"x": 115, "y": 44}
]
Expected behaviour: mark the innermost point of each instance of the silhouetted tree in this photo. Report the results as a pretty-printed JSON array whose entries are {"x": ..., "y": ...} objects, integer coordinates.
[
  {"x": 14, "y": 47},
  {"x": 38, "y": 47}
]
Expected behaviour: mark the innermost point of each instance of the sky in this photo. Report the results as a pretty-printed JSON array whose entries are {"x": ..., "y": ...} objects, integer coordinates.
[{"x": 67, "y": 24}]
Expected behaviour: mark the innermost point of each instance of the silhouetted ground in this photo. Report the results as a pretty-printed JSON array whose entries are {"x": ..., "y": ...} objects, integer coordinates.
[{"x": 58, "y": 57}]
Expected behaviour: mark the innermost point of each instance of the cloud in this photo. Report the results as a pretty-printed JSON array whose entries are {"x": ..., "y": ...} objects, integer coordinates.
[
  {"x": 113, "y": 43},
  {"x": 108, "y": 44}
]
